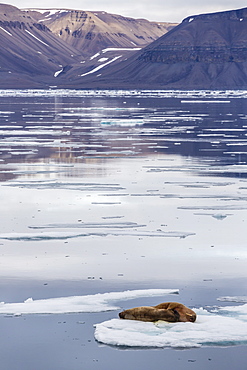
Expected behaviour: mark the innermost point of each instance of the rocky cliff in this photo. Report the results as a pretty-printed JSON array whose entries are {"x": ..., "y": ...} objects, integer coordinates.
[
  {"x": 30, "y": 54},
  {"x": 37, "y": 47},
  {"x": 207, "y": 51},
  {"x": 204, "y": 51},
  {"x": 91, "y": 32}
]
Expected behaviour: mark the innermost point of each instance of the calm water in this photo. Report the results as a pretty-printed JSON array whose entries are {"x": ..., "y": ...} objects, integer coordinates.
[
  {"x": 78, "y": 128},
  {"x": 111, "y": 191}
]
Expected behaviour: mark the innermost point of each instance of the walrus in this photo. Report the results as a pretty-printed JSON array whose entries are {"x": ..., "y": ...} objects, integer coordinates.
[{"x": 168, "y": 311}]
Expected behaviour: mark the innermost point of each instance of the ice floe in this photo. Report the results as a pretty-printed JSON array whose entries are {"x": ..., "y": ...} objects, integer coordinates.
[
  {"x": 123, "y": 122},
  {"x": 98, "y": 187},
  {"x": 226, "y": 327},
  {"x": 89, "y": 303},
  {"x": 239, "y": 299},
  {"x": 221, "y": 326},
  {"x": 83, "y": 225},
  {"x": 201, "y": 94},
  {"x": 44, "y": 236}
]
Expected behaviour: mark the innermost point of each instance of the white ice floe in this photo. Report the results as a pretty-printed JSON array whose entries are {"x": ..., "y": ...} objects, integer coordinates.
[
  {"x": 89, "y": 303},
  {"x": 210, "y": 329},
  {"x": 44, "y": 236},
  {"x": 232, "y": 311},
  {"x": 89, "y": 225},
  {"x": 122, "y": 122},
  {"x": 159, "y": 94},
  {"x": 205, "y": 101},
  {"x": 239, "y": 299}
]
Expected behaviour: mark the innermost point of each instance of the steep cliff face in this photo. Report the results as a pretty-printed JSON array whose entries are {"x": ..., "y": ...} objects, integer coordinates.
[
  {"x": 91, "y": 32},
  {"x": 207, "y": 51},
  {"x": 204, "y": 51},
  {"x": 30, "y": 54},
  {"x": 209, "y": 38}
]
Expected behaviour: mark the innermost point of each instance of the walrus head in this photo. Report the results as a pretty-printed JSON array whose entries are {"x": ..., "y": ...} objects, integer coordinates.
[{"x": 185, "y": 313}]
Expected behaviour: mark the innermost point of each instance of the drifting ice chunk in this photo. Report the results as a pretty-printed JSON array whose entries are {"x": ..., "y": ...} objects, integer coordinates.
[
  {"x": 71, "y": 235},
  {"x": 88, "y": 303},
  {"x": 240, "y": 299},
  {"x": 209, "y": 329}
]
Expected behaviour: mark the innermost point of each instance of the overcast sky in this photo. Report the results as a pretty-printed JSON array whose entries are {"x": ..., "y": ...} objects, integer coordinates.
[{"x": 154, "y": 10}]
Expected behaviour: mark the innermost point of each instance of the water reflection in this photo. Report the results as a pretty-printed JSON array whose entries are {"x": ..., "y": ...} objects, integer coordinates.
[{"x": 92, "y": 128}]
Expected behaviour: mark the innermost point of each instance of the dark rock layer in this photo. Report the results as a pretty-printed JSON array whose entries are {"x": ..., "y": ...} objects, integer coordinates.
[{"x": 205, "y": 51}]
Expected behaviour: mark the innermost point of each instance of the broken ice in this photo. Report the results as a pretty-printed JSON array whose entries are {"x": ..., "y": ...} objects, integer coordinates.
[{"x": 226, "y": 327}]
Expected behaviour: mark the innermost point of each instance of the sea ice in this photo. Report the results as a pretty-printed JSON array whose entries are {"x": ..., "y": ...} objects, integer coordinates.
[
  {"x": 89, "y": 303},
  {"x": 239, "y": 299},
  {"x": 83, "y": 225},
  {"x": 210, "y": 329},
  {"x": 44, "y": 236}
]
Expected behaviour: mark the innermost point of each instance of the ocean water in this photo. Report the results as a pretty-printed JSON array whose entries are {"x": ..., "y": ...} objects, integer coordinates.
[{"x": 104, "y": 192}]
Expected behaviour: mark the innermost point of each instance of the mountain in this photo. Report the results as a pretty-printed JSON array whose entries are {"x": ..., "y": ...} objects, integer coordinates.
[
  {"x": 207, "y": 51},
  {"x": 76, "y": 49},
  {"x": 39, "y": 46},
  {"x": 91, "y": 32},
  {"x": 30, "y": 54}
]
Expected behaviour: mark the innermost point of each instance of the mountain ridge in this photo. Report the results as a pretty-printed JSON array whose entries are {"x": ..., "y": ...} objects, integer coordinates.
[
  {"x": 30, "y": 53},
  {"x": 207, "y": 51},
  {"x": 34, "y": 56},
  {"x": 92, "y": 31}
]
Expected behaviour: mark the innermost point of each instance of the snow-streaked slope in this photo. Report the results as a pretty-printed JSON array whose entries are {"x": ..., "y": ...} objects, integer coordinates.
[
  {"x": 40, "y": 45},
  {"x": 30, "y": 53},
  {"x": 93, "y": 31},
  {"x": 207, "y": 51}
]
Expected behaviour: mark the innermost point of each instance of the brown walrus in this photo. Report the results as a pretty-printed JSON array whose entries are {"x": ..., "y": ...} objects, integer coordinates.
[{"x": 168, "y": 311}]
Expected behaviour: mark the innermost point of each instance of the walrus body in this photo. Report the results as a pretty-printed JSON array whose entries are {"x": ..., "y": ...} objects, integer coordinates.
[{"x": 168, "y": 311}]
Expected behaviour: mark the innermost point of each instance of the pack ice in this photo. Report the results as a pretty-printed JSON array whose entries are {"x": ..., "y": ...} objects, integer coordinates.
[
  {"x": 221, "y": 326},
  {"x": 224, "y": 326}
]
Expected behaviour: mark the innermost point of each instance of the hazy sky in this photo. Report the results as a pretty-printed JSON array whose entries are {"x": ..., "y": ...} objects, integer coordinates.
[{"x": 156, "y": 10}]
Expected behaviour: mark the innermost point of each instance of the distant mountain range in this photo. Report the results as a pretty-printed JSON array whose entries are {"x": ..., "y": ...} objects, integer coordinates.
[
  {"x": 76, "y": 49},
  {"x": 39, "y": 45},
  {"x": 91, "y": 32}
]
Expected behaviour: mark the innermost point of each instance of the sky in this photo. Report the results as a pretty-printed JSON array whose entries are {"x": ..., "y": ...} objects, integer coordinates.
[{"x": 155, "y": 10}]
